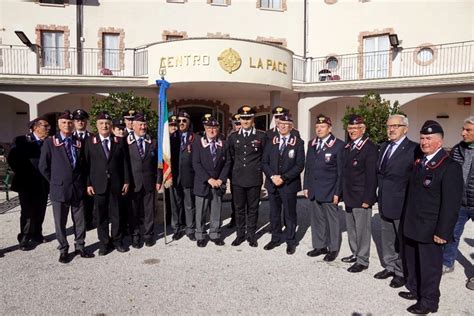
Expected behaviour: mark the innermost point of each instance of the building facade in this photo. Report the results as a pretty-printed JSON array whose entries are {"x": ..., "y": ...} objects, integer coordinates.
[{"x": 317, "y": 56}]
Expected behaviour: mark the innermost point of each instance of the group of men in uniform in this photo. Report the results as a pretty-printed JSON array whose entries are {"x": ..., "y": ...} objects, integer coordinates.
[{"x": 420, "y": 188}]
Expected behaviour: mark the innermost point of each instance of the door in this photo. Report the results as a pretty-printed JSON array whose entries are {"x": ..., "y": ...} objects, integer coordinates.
[
  {"x": 197, "y": 112},
  {"x": 376, "y": 56}
]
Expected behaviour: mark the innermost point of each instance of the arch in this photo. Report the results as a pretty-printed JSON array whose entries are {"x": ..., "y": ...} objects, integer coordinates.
[
  {"x": 71, "y": 101},
  {"x": 14, "y": 118}
]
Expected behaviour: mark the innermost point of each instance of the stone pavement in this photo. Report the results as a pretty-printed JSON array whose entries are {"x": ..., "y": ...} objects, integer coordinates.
[{"x": 179, "y": 278}]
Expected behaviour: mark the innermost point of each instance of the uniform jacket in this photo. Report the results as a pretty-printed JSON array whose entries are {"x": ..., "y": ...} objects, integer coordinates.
[
  {"x": 87, "y": 135},
  {"x": 246, "y": 154},
  {"x": 393, "y": 181},
  {"x": 204, "y": 166},
  {"x": 458, "y": 154},
  {"x": 66, "y": 184},
  {"x": 434, "y": 199},
  {"x": 323, "y": 171},
  {"x": 359, "y": 180},
  {"x": 289, "y": 165},
  {"x": 102, "y": 171},
  {"x": 182, "y": 160},
  {"x": 23, "y": 159},
  {"x": 144, "y": 172}
]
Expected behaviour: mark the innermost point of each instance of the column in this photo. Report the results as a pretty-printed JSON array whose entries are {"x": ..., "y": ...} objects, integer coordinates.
[
  {"x": 275, "y": 99},
  {"x": 33, "y": 109}
]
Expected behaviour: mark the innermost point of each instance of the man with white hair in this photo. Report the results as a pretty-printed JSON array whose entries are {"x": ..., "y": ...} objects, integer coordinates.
[{"x": 394, "y": 167}]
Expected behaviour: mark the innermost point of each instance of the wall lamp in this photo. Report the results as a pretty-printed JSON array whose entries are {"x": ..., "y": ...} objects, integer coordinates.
[
  {"x": 23, "y": 38},
  {"x": 394, "y": 42}
]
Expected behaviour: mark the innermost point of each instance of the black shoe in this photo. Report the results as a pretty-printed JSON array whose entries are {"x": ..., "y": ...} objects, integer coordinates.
[
  {"x": 83, "y": 253},
  {"x": 150, "y": 242},
  {"x": 290, "y": 249},
  {"x": 331, "y": 256},
  {"x": 384, "y": 274},
  {"x": 397, "y": 282},
  {"x": 317, "y": 252},
  {"x": 201, "y": 243},
  {"x": 231, "y": 224},
  {"x": 63, "y": 257},
  {"x": 218, "y": 242},
  {"x": 408, "y": 296},
  {"x": 177, "y": 235},
  {"x": 191, "y": 237},
  {"x": 120, "y": 248},
  {"x": 420, "y": 310},
  {"x": 25, "y": 246},
  {"x": 349, "y": 259},
  {"x": 103, "y": 252},
  {"x": 253, "y": 243},
  {"x": 39, "y": 239},
  {"x": 238, "y": 241},
  {"x": 271, "y": 245},
  {"x": 356, "y": 268},
  {"x": 136, "y": 243}
]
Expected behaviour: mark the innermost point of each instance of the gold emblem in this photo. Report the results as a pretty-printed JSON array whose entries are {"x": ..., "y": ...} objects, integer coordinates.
[
  {"x": 207, "y": 116},
  {"x": 246, "y": 109},
  {"x": 230, "y": 60}
]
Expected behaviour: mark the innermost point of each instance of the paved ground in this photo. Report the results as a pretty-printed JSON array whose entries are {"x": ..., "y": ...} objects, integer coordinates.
[{"x": 180, "y": 278}]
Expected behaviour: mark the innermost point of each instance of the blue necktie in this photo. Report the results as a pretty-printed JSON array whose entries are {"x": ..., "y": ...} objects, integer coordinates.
[
  {"x": 385, "y": 159},
  {"x": 105, "y": 146},
  {"x": 213, "y": 152},
  {"x": 71, "y": 152},
  {"x": 282, "y": 145},
  {"x": 183, "y": 142},
  {"x": 140, "y": 147}
]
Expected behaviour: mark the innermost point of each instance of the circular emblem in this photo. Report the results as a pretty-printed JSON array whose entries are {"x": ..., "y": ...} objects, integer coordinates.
[
  {"x": 229, "y": 60},
  {"x": 246, "y": 109},
  {"x": 291, "y": 154}
]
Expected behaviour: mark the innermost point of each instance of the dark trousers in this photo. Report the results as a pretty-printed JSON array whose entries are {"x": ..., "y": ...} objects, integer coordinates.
[
  {"x": 60, "y": 213},
  {"x": 183, "y": 205},
  {"x": 90, "y": 220},
  {"x": 107, "y": 210},
  {"x": 143, "y": 214},
  {"x": 288, "y": 201},
  {"x": 33, "y": 208},
  {"x": 125, "y": 214},
  {"x": 246, "y": 202},
  {"x": 424, "y": 263},
  {"x": 232, "y": 214}
]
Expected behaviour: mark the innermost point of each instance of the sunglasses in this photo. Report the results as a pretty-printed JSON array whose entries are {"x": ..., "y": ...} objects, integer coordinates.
[
  {"x": 182, "y": 121},
  {"x": 237, "y": 123}
]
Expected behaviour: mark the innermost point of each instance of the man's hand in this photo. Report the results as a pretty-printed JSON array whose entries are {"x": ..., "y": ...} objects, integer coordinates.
[
  {"x": 212, "y": 182},
  {"x": 276, "y": 179},
  {"x": 158, "y": 187},
  {"x": 125, "y": 189},
  {"x": 439, "y": 240},
  {"x": 335, "y": 200},
  {"x": 219, "y": 183},
  {"x": 365, "y": 205},
  {"x": 90, "y": 190},
  {"x": 305, "y": 192}
]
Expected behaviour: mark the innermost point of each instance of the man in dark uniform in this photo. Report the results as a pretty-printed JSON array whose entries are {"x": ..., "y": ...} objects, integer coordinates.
[
  {"x": 432, "y": 206},
  {"x": 211, "y": 164},
  {"x": 246, "y": 149},
  {"x": 323, "y": 186},
  {"x": 128, "y": 118},
  {"x": 145, "y": 180},
  {"x": 282, "y": 162},
  {"x": 118, "y": 127},
  {"x": 235, "y": 128},
  {"x": 107, "y": 180},
  {"x": 182, "y": 197},
  {"x": 395, "y": 164},
  {"x": 62, "y": 164},
  {"x": 359, "y": 185},
  {"x": 30, "y": 184},
  {"x": 80, "y": 132},
  {"x": 277, "y": 113}
]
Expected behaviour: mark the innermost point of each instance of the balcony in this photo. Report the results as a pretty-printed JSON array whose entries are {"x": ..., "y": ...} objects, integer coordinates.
[{"x": 445, "y": 59}]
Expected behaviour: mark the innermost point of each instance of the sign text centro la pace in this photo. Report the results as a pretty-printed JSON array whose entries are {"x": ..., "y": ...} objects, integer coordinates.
[{"x": 222, "y": 61}]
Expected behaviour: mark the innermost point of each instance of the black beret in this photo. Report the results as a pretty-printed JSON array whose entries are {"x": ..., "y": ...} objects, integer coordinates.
[
  {"x": 80, "y": 114},
  {"x": 140, "y": 117},
  {"x": 104, "y": 116},
  {"x": 118, "y": 123},
  {"x": 209, "y": 120},
  {"x": 321, "y": 119},
  {"x": 279, "y": 110},
  {"x": 32, "y": 123},
  {"x": 129, "y": 115},
  {"x": 355, "y": 119},
  {"x": 246, "y": 111},
  {"x": 66, "y": 115},
  {"x": 286, "y": 117},
  {"x": 184, "y": 114},
  {"x": 431, "y": 127}
]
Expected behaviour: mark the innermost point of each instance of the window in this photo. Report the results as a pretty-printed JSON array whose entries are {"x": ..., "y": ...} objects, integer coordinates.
[
  {"x": 171, "y": 37},
  {"x": 271, "y": 4},
  {"x": 262, "y": 121},
  {"x": 176, "y": 1},
  {"x": 52, "y": 44},
  {"x": 425, "y": 55},
  {"x": 53, "y": 1},
  {"x": 110, "y": 51},
  {"x": 219, "y": 2},
  {"x": 376, "y": 56},
  {"x": 332, "y": 63}
]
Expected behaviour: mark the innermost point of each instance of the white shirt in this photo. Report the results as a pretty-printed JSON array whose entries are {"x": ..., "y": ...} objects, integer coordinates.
[{"x": 429, "y": 157}]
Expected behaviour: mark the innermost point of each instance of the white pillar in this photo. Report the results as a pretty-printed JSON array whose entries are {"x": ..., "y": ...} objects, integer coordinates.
[
  {"x": 33, "y": 109},
  {"x": 275, "y": 99},
  {"x": 304, "y": 120}
]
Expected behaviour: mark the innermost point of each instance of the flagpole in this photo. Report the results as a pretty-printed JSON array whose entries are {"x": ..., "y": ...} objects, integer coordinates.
[{"x": 164, "y": 211}]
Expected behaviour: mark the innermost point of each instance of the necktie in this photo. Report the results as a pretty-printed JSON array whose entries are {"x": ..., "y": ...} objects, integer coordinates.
[
  {"x": 353, "y": 145},
  {"x": 424, "y": 161},
  {"x": 140, "y": 147},
  {"x": 318, "y": 147},
  {"x": 81, "y": 136},
  {"x": 385, "y": 158},
  {"x": 282, "y": 145},
  {"x": 183, "y": 142},
  {"x": 105, "y": 146},
  {"x": 71, "y": 153},
  {"x": 213, "y": 152},
  {"x": 246, "y": 134}
]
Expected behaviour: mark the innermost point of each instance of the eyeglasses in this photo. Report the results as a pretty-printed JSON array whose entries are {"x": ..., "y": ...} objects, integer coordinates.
[
  {"x": 395, "y": 126},
  {"x": 237, "y": 123},
  {"x": 353, "y": 128},
  {"x": 182, "y": 121}
]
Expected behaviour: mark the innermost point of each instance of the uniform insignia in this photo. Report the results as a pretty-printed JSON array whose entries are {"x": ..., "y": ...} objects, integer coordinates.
[
  {"x": 354, "y": 162},
  {"x": 276, "y": 140},
  {"x": 428, "y": 181},
  {"x": 130, "y": 139},
  {"x": 291, "y": 153},
  {"x": 291, "y": 141},
  {"x": 116, "y": 140},
  {"x": 238, "y": 141},
  {"x": 327, "y": 157},
  {"x": 78, "y": 144},
  {"x": 56, "y": 141}
]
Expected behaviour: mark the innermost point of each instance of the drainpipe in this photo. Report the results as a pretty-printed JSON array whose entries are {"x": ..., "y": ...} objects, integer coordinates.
[
  {"x": 305, "y": 30},
  {"x": 79, "y": 20}
]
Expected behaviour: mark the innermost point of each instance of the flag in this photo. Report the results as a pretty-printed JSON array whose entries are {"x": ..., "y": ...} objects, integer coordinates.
[{"x": 164, "y": 148}]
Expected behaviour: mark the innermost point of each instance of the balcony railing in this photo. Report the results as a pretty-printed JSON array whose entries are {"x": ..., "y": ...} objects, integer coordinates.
[{"x": 425, "y": 61}]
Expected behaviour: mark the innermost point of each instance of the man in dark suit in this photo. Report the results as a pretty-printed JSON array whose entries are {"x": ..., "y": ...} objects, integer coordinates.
[
  {"x": 211, "y": 164},
  {"x": 30, "y": 184},
  {"x": 323, "y": 186},
  {"x": 182, "y": 197},
  {"x": 107, "y": 180},
  {"x": 235, "y": 129},
  {"x": 395, "y": 164},
  {"x": 80, "y": 132},
  {"x": 282, "y": 163},
  {"x": 432, "y": 206},
  {"x": 145, "y": 180},
  {"x": 128, "y": 120},
  {"x": 246, "y": 150},
  {"x": 278, "y": 112},
  {"x": 62, "y": 164},
  {"x": 359, "y": 184}
]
